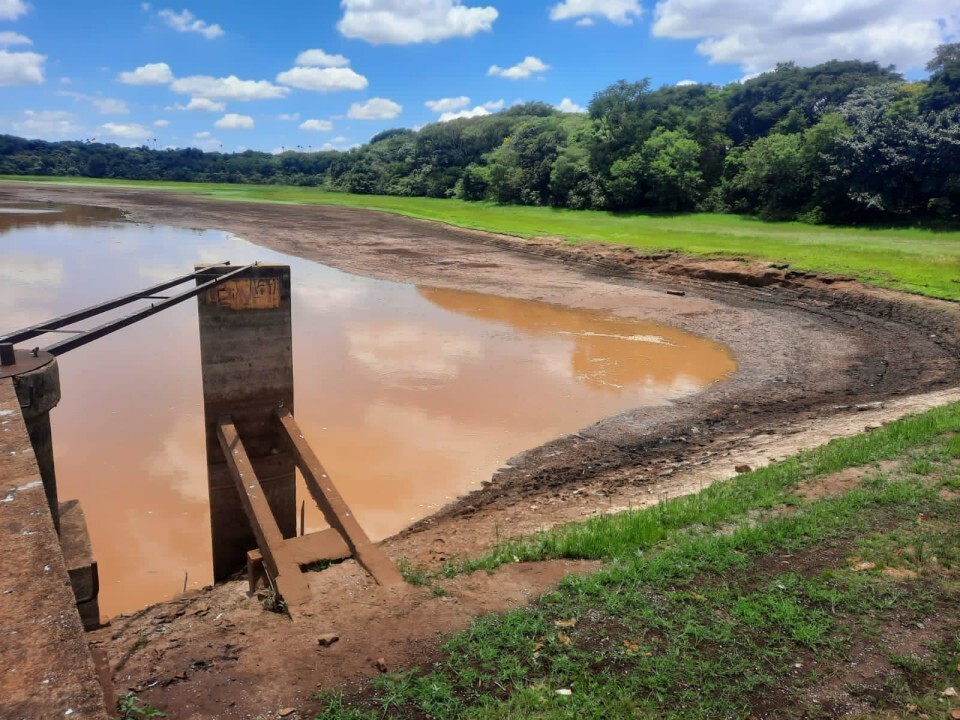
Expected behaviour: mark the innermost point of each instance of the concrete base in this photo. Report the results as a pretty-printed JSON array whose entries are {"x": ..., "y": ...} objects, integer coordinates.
[
  {"x": 46, "y": 670},
  {"x": 81, "y": 565}
]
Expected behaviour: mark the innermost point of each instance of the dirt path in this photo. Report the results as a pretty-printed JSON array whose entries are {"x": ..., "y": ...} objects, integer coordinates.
[{"x": 805, "y": 346}]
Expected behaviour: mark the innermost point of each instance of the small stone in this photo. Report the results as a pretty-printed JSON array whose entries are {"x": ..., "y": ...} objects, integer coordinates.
[
  {"x": 868, "y": 406},
  {"x": 565, "y": 692},
  {"x": 381, "y": 665},
  {"x": 327, "y": 639},
  {"x": 861, "y": 566},
  {"x": 955, "y": 715},
  {"x": 743, "y": 468},
  {"x": 950, "y": 692},
  {"x": 286, "y": 712}
]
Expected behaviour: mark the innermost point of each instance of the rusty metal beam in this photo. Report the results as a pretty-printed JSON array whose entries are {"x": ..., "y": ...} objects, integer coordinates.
[
  {"x": 83, "y": 338},
  {"x": 334, "y": 508},
  {"x": 78, "y": 315},
  {"x": 279, "y": 560}
]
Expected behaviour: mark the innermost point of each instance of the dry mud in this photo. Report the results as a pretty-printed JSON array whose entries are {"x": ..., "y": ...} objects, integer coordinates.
[{"x": 810, "y": 349}]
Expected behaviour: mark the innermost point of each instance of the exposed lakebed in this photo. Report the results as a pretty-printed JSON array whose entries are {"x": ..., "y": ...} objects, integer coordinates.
[{"x": 410, "y": 395}]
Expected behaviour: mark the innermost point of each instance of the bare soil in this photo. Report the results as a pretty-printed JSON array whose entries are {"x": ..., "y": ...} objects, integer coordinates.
[{"x": 813, "y": 353}]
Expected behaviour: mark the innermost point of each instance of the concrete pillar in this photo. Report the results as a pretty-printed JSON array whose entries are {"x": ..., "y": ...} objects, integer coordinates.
[
  {"x": 246, "y": 355},
  {"x": 38, "y": 390}
]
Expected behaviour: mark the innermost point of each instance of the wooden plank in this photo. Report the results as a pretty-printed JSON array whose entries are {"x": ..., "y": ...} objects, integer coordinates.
[
  {"x": 317, "y": 546},
  {"x": 286, "y": 574},
  {"x": 312, "y": 547},
  {"x": 333, "y": 506}
]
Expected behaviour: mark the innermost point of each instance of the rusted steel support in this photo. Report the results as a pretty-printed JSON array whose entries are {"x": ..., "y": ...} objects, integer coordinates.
[
  {"x": 334, "y": 509},
  {"x": 88, "y": 336},
  {"x": 78, "y": 315},
  {"x": 284, "y": 571}
]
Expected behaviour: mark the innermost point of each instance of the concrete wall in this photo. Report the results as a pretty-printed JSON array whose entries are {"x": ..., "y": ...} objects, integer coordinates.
[
  {"x": 246, "y": 355},
  {"x": 46, "y": 670}
]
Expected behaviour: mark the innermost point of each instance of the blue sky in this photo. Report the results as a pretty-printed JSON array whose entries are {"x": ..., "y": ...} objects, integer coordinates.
[{"x": 325, "y": 74}]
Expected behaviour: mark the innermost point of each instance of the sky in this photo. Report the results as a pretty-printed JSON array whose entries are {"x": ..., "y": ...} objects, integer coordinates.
[{"x": 322, "y": 74}]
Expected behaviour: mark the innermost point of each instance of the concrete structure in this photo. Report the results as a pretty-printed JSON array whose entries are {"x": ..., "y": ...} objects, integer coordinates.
[
  {"x": 80, "y": 563},
  {"x": 38, "y": 389},
  {"x": 246, "y": 354},
  {"x": 47, "y": 667}
]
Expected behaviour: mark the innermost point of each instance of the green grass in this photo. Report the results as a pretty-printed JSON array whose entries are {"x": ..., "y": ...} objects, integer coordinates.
[
  {"x": 746, "y": 600},
  {"x": 915, "y": 260}
]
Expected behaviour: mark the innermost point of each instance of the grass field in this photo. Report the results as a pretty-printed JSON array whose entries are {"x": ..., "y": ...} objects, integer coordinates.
[
  {"x": 923, "y": 261},
  {"x": 787, "y": 592}
]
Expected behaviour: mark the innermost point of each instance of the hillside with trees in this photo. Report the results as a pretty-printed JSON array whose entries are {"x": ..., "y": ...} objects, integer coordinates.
[{"x": 841, "y": 142}]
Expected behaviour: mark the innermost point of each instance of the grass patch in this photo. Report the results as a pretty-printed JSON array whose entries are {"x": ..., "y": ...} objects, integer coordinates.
[
  {"x": 921, "y": 261},
  {"x": 745, "y": 600}
]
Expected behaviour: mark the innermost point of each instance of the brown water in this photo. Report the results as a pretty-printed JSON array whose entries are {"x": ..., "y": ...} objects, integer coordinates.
[{"x": 410, "y": 396}]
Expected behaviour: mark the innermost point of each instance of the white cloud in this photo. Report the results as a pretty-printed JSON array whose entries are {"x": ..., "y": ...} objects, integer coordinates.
[
  {"x": 586, "y": 22},
  {"x": 460, "y": 114},
  {"x": 12, "y": 9},
  {"x": 289, "y": 117},
  {"x": 149, "y": 74},
  {"x": 339, "y": 143},
  {"x": 319, "y": 58},
  {"x": 494, "y": 105},
  {"x": 47, "y": 124},
  {"x": 327, "y": 79},
  {"x": 569, "y": 106},
  {"x": 375, "y": 109},
  {"x": 522, "y": 70},
  {"x": 207, "y": 141},
  {"x": 233, "y": 121},
  {"x": 228, "y": 88},
  {"x": 621, "y": 12},
  {"x": 399, "y": 22},
  {"x": 161, "y": 123},
  {"x": 317, "y": 125},
  {"x": 201, "y": 105},
  {"x": 756, "y": 36},
  {"x": 65, "y": 80},
  {"x": 448, "y": 104},
  {"x": 21, "y": 68},
  {"x": 8, "y": 38},
  {"x": 126, "y": 131},
  {"x": 186, "y": 21},
  {"x": 104, "y": 105},
  {"x": 685, "y": 83}
]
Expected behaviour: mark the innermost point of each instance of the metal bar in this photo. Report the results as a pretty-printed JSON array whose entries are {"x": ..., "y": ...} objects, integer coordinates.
[
  {"x": 283, "y": 570},
  {"x": 98, "y": 332},
  {"x": 70, "y": 318},
  {"x": 334, "y": 508},
  {"x": 64, "y": 331}
]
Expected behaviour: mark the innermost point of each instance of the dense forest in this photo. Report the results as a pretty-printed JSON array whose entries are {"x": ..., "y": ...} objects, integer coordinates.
[{"x": 844, "y": 141}]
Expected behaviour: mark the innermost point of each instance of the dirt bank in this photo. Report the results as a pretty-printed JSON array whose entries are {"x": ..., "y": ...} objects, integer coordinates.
[{"x": 805, "y": 345}]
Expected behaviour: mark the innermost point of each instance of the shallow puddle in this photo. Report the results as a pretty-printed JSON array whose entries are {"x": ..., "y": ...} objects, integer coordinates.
[{"x": 410, "y": 396}]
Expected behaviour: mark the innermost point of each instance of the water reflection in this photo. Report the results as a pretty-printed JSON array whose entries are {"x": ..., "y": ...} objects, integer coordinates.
[{"x": 411, "y": 396}]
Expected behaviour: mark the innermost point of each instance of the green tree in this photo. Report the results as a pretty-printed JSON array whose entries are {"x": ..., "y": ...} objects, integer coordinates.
[
  {"x": 943, "y": 89},
  {"x": 671, "y": 170}
]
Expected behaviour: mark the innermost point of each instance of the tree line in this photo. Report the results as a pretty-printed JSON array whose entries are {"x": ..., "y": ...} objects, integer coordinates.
[{"x": 845, "y": 141}]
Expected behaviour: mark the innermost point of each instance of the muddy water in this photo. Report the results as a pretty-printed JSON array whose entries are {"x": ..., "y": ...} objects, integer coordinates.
[{"x": 411, "y": 396}]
